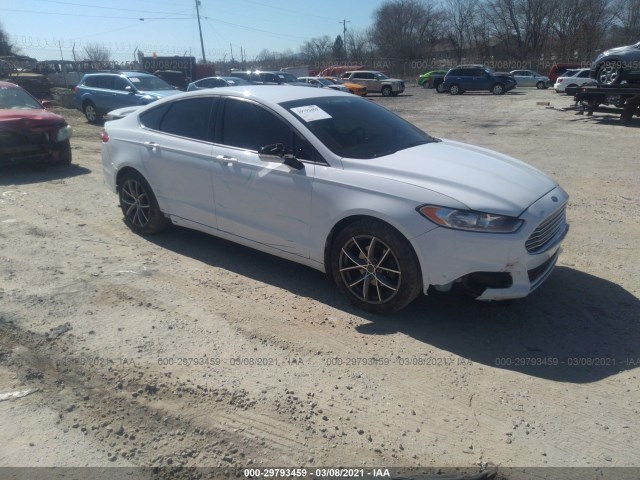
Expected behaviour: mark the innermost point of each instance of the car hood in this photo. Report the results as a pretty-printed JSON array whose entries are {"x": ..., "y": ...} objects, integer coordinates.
[
  {"x": 505, "y": 76},
  {"x": 616, "y": 50},
  {"x": 479, "y": 178},
  {"x": 29, "y": 118}
]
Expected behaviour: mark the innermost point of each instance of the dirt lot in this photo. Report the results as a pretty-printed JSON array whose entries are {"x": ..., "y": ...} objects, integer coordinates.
[{"x": 186, "y": 350}]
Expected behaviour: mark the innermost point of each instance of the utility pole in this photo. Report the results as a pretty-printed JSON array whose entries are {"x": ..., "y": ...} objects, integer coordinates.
[
  {"x": 344, "y": 30},
  {"x": 204, "y": 59}
]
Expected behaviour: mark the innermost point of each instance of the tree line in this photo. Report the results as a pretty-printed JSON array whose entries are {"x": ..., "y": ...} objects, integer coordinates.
[{"x": 463, "y": 30}]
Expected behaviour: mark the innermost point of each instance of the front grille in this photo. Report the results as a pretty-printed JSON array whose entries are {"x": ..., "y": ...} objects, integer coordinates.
[{"x": 546, "y": 231}]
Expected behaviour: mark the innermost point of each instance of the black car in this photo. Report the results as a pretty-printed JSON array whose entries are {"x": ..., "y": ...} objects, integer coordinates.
[
  {"x": 618, "y": 64},
  {"x": 466, "y": 78}
]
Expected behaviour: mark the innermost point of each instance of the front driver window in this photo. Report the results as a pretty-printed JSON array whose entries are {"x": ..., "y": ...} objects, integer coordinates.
[{"x": 249, "y": 126}]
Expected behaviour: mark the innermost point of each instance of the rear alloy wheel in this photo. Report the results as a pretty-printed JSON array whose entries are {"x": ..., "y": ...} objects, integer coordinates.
[
  {"x": 497, "y": 89},
  {"x": 139, "y": 205},
  {"x": 386, "y": 91},
  {"x": 455, "y": 89},
  {"x": 541, "y": 85},
  {"x": 440, "y": 88},
  {"x": 609, "y": 73},
  {"x": 375, "y": 267},
  {"x": 91, "y": 113}
]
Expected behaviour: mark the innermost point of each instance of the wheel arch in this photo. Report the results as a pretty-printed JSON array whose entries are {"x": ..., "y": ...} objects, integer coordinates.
[
  {"x": 129, "y": 169},
  {"x": 351, "y": 219}
]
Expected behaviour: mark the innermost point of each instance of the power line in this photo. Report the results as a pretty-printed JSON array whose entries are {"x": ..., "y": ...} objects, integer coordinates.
[
  {"x": 93, "y": 7},
  {"x": 94, "y": 16}
]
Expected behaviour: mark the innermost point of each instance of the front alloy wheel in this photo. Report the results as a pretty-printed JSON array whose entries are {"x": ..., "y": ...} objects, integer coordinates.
[
  {"x": 609, "y": 73},
  {"x": 375, "y": 267},
  {"x": 139, "y": 205},
  {"x": 91, "y": 113},
  {"x": 498, "y": 89}
]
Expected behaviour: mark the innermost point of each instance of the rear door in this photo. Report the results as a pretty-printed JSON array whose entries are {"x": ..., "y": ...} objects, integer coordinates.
[{"x": 177, "y": 153}]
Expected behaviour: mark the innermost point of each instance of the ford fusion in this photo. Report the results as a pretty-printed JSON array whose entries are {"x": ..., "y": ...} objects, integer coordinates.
[{"x": 340, "y": 184}]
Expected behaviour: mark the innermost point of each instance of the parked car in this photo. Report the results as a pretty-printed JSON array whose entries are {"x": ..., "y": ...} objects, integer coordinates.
[
  {"x": 99, "y": 93},
  {"x": 617, "y": 64},
  {"x": 559, "y": 69},
  {"x": 28, "y": 132},
  {"x": 340, "y": 184},
  {"x": 176, "y": 78},
  {"x": 215, "y": 82},
  {"x": 322, "y": 83},
  {"x": 354, "y": 88},
  {"x": 466, "y": 78},
  {"x": 530, "y": 78},
  {"x": 580, "y": 77},
  {"x": 375, "y": 82},
  {"x": 423, "y": 80}
]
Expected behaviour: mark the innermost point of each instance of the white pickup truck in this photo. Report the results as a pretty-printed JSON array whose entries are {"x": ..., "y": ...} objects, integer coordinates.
[{"x": 375, "y": 82}]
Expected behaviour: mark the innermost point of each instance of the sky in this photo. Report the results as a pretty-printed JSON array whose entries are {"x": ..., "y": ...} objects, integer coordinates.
[{"x": 41, "y": 28}]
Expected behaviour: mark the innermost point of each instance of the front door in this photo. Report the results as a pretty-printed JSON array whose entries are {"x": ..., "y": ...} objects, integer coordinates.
[{"x": 267, "y": 202}]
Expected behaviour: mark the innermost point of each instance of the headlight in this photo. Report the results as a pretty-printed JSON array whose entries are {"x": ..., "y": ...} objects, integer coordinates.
[
  {"x": 63, "y": 134},
  {"x": 470, "y": 220}
]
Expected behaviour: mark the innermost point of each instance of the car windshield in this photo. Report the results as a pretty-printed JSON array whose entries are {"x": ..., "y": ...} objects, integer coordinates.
[
  {"x": 324, "y": 81},
  {"x": 335, "y": 80},
  {"x": 149, "y": 83},
  {"x": 236, "y": 81},
  {"x": 287, "y": 77},
  {"x": 356, "y": 128},
  {"x": 16, "y": 98}
]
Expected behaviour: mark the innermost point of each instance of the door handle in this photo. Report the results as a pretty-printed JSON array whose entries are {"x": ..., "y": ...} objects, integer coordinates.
[
  {"x": 226, "y": 158},
  {"x": 151, "y": 145}
]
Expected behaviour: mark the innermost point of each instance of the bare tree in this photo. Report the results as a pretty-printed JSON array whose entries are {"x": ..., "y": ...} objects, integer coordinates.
[
  {"x": 96, "y": 52},
  {"x": 6, "y": 48},
  {"x": 459, "y": 22},
  {"x": 318, "y": 48},
  {"x": 406, "y": 28},
  {"x": 627, "y": 21},
  {"x": 358, "y": 44}
]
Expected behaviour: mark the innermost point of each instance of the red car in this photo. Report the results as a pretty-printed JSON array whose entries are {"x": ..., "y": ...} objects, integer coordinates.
[{"x": 28, "y": 132}]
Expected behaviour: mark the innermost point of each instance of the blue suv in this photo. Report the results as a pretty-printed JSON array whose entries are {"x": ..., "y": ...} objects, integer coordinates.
[
  {"x": 476, "y": 78},
  {"x": 99, "y": 93}
]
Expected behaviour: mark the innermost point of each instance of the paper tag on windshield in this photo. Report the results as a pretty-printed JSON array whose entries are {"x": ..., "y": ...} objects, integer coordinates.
[{"x": 310, "y": 113}]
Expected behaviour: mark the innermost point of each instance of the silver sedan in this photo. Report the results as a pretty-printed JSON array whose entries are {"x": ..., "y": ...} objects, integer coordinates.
[{"x": 530, "y": 78}]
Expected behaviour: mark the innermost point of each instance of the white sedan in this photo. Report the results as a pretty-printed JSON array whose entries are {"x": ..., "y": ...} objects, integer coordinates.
[
  {"x": 340, "y": 184},
  {"x": 572, "y": 79}
]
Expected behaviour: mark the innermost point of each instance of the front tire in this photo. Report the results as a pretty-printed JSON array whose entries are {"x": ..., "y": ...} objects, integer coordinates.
[
  {"x": 497, "y": 89},
  {"x": 139, "y": 205},
  {"x": 541, "y": 85},
  {"x": 375, "y": 267},
  {"x": 386, "y": 91},
  {"x": 440, "y": 88},
  {"x": 609, "y": 73},
  {"x": 455, "y": 89},
  {"x": 91, "y": 113}
]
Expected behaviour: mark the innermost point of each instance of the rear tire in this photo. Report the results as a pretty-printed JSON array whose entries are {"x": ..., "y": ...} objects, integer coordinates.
[
  {"x": 139, "y": 205},
  {"x": 440, "y": 88}
]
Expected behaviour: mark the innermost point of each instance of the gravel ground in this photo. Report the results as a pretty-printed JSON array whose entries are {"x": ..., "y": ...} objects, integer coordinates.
[{"x": 183, "y": 350}]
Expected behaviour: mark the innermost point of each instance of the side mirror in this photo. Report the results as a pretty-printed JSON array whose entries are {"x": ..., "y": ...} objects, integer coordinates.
[
  {"x": 275, "y": 153},
  {"x": 129, "y": 89}
]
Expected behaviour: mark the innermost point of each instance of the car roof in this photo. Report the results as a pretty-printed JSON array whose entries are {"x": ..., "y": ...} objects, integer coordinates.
[
  {"x": 8, "y": 85},
  {"x": 265, "y": 94}
]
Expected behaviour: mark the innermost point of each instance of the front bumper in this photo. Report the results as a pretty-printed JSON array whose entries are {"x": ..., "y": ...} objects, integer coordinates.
[{"x": 451, "y": 256}]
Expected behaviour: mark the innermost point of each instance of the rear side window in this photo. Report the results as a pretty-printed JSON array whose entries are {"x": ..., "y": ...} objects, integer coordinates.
[
  {"x": 189, "y": 118},
  {"x": 100, "y": 81}
]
